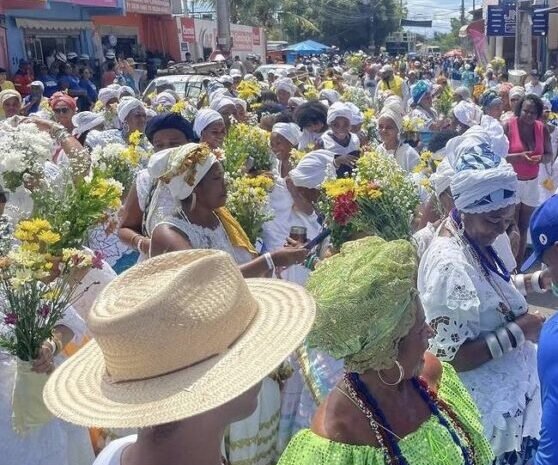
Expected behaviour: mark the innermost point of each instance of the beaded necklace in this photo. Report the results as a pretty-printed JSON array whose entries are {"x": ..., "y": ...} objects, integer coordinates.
[{"x": 380, "y": 426}]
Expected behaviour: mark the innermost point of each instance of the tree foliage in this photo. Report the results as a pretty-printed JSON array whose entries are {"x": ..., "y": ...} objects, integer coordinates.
[
  {"x": 345, "y": 23},
  {"x": 450, "y": 40}
]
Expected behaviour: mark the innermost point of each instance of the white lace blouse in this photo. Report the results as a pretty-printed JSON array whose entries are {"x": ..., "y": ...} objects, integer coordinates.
[{"x": 462, "y": 305}]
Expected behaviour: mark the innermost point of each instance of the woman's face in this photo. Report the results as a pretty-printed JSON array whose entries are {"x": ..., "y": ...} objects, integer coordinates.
[
  {"x": 316, "y": 127},
  {"x": 168, "y": 139},
  {"x": 280, "y": 146},
  {"x": 514, "y": 101},
  {"x": 283, "y": 97},
  {"x": 413, "y": 346},
  {"x": 528, "y": 113},
  {"x": 241, "y": 113},
  {"x": 137, "y": 120},
  {"x": 227, "y": 112},
  {"x": 11, "y": 107},
  {"x": 495, "y": 110},
  {"x": 426, "y": 100},
  {"x": 214, "y": 134},
  {"x": 310, "y": 195},
  {"x": 211, "y": 192},
  {"x": 388, "y": 131},
  {"x": 341, "y": 128},
  {"x": 63, "y": 114},
  {"x": 484, "y": 228}
]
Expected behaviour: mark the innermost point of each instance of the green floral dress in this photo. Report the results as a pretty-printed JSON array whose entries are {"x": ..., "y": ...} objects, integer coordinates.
[{"x": 430, "y": 444}]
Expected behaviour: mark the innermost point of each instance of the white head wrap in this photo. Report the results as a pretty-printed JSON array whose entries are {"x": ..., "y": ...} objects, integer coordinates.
[
  {"x": 483, "y": 181},
  {"x": 126, "y": 90},
  {"x": 286, "y": 84},
  {"x": 289, "y": 131},
  {"x": 313, "y": 169},
  {"x": 220, "y": 103},
  {"x": 164, "y": 98},
  {"x": 467, "y": 113},
  {"x": 463, "y": 92},
  {"x": 250, "y": 77},
  {"x": 204, "y": 118},
  {"x": 235, "y": 73},
  {"x": 441, "y": 179},
  {"x": 85, "y": 121},
  {"x": 517, "y": 91},
  {"x": 241, "y": 102},
  {"x": 393, "y": 115},
  {"x": 339, "y": 110},
  {"x": 332, "y": 96},
  {"x": 219, "y": 93},
  {"x": 37, "y": 84},
  {"x": 107, "y": 94},
  {"x": 394, "y": 103},
  {"x": 297, "y": 101},
  {"x": 357, "y": 116},
  {"x": 162, "y": 162},
  {"x": 127, "y": 105},
  {"x": 225, "y": 79}
]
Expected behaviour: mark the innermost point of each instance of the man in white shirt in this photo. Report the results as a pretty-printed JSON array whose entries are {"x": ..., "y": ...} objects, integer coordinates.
[{"x": 534, "y": 86}]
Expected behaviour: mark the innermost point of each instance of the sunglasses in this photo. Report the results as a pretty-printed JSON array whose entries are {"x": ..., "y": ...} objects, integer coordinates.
[{"x": 61, "y": 111}]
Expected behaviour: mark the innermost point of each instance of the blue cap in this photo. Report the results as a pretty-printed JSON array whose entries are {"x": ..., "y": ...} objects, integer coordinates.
[{"x": 544, "y": 230}]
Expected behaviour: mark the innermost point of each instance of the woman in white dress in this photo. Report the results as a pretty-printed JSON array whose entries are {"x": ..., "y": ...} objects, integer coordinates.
[
  {"x": 284, "y": 139},
  {"x": 195, "y": 179},
  {"x": 422, "y": 104},
  {"x": 548, "y": 172},
  {"x": 389, "y": 129},
  {"x": 481, "y": 320}
]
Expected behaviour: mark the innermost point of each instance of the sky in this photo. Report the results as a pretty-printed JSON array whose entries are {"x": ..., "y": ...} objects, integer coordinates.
[{"x": 439, "y": 11}]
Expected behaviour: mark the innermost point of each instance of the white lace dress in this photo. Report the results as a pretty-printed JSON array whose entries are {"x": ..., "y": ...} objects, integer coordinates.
[
  {"x": 462, "y": 305},
  {"x": 55, "y": 442},
  {"x": 252, "y": 440}
]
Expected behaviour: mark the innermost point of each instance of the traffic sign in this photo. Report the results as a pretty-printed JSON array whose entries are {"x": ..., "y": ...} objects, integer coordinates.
[
  {"x": 501, "y": 21},
  {"x": 540, "y": 23}
]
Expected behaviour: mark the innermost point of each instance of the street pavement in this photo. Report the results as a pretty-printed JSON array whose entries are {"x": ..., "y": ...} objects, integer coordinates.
[{"x": 544, "y": 303}]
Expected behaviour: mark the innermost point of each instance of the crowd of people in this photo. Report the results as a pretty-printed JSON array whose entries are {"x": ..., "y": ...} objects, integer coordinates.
[{"x": 325, "y": 265}]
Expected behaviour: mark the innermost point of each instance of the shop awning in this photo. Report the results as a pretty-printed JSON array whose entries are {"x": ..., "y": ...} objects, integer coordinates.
[{"x": 42, "y": 25}]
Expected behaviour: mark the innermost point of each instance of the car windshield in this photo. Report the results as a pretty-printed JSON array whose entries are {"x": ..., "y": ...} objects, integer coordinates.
[
  {"x": 189, "y": 89},
  {"x": 276, "y": 69}
]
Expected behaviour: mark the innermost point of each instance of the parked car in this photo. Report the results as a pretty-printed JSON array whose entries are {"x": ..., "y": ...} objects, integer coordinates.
[{"x": 189, "y": 86}]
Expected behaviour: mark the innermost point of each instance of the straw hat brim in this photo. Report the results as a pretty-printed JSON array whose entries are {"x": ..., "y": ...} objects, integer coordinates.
[{"x": 79, "y": 393}]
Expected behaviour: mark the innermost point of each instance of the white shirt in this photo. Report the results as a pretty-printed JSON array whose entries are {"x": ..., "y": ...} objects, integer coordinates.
[
  {"x": 536, "y": 89},
  {"x": 112, "y": 454},
  {"x": 405, "y": 156}
]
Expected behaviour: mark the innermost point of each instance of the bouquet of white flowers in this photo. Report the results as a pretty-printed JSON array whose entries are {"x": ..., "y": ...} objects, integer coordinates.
[{"x": 24, "y": 149}]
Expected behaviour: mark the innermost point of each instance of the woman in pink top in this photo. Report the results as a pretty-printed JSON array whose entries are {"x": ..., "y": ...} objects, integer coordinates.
[{"x": 529, "y": 146}]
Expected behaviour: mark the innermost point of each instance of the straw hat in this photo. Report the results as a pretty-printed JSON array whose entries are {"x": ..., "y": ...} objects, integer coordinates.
[{"x": 177, "y": 336}]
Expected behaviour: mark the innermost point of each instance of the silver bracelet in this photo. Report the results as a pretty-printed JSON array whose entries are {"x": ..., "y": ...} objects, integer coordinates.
[
  {"x": 504, "y": 339},
  {"x": 493, "y": 345},
  {"x": 269, "y": 261},
  {"x": 517, "y": 333},
  {"x": 519, "y": 281},
  {"x": 536, "y": 282}
]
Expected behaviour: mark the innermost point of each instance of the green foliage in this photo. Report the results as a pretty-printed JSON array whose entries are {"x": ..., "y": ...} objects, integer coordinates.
[{"x": 450, "y": 40}]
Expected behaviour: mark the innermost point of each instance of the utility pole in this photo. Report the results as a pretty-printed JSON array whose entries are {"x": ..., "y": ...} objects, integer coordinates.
[
  {"x": 462, "y": 12},
  {"x": 516, "y": 60},
  {"x": 223, "y": 27}
]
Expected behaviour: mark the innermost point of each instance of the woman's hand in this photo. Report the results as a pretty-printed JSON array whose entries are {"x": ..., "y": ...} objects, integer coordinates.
[
  {"x": 288, "y": 256},
  {"x": 521, "y": 156},
  {"x": 44, "y": 363},
  {"x": 531, "y": 324},
  {"x": 345, "y": 160}
]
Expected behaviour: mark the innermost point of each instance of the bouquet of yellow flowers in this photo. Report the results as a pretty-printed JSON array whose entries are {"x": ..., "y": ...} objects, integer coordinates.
[
  {"x": 412, "y": 124},
  {"x": 378, "y": 199},
  {"x": 247, "y": 200},
  {"x": 311, "y": 93},
  {"x": 498, "y": 63},
  {"x": 249, "y": 91},
  {"x": 246, "y": 150},
  {"x": 444, "y": 102},
  {"x": 187, "y": 110},
  {"x": 356, "y": 61},
  {"x": 74, "y": 209}
]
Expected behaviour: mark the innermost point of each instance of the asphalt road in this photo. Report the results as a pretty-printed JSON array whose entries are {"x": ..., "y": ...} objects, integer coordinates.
[{"x": 544, "y": 303}]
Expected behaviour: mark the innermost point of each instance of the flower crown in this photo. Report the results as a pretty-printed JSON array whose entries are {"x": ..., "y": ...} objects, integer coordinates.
[{"x": 185, "y": 163}]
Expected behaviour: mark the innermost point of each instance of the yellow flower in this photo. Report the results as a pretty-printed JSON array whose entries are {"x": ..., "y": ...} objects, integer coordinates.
[
  {"x": 339, "y": 187},
  {"x": 135, "y": 138},
  {"x": 48, "y": 237},
  {"x": 52, "y": 295},
  {"x": 178, "y": 107},
  {"x": 368, "y": 190},
  {"x": 131, "y": 155},
  {"x": 425, "y": 183},
  {"x": 261, "y": 181}
]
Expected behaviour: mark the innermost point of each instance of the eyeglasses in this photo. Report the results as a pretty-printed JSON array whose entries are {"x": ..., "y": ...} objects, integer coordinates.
[{"x": 61, "y": 111}]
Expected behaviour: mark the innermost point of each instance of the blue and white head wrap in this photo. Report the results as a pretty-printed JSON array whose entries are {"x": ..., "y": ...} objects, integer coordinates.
[
  {"x": 420, "y": 89},
  {"x": 483, "y": 181}
]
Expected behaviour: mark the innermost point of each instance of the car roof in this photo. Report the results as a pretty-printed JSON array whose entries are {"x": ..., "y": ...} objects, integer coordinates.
[{"x": 182, "y": 77}]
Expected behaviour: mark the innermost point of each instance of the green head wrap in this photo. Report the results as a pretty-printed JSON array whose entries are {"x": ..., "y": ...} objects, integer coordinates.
[{"x": 364, "y": 299}]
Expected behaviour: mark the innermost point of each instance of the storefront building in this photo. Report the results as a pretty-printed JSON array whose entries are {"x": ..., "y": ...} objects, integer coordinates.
[
  {"x": 36, "y": 33},
  {"x": 146, "y": 30}
]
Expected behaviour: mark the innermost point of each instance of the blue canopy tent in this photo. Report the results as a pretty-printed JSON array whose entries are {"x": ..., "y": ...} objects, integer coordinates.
[{"x": 308, "y": 47}]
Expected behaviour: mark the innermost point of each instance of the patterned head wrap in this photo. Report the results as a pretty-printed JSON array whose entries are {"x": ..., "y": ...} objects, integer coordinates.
[
  {"x": 489, "y": 98},
  {"x": 8, "y": 94},
  {"x": 182, "y": 168},
  {"x": 61, "y": 97},
  {"x": 517, "y": 91},
  {"x": 420, "y": 89},
  {"x": 364, "y": 298},
  {"x": 483, "y": 181}
]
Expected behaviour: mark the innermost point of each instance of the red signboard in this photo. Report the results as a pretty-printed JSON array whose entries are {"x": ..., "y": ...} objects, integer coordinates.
[
  {"x": 256, "y": 36},
  {"x": 188, "y": 29},
  {"x": 154, "y": 7},
  {"x": 242, "y": 40}
]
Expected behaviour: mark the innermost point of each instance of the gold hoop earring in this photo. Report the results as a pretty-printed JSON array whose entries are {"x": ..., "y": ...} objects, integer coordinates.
[
  {"x": 401, "y": 375},
  {"x": 193, "y": 201}
]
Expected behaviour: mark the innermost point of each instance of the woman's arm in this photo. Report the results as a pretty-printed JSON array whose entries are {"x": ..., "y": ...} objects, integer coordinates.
[
  {"x": 44, "y": 363},
  {"x": 131, "y": 220},
  {"x": 548, "y": 156}
]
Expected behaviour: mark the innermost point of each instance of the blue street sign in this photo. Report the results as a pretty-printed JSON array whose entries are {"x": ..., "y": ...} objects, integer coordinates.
[
  {"x": 501, "y": 21},
  {"x": 540, "y": 23}
]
